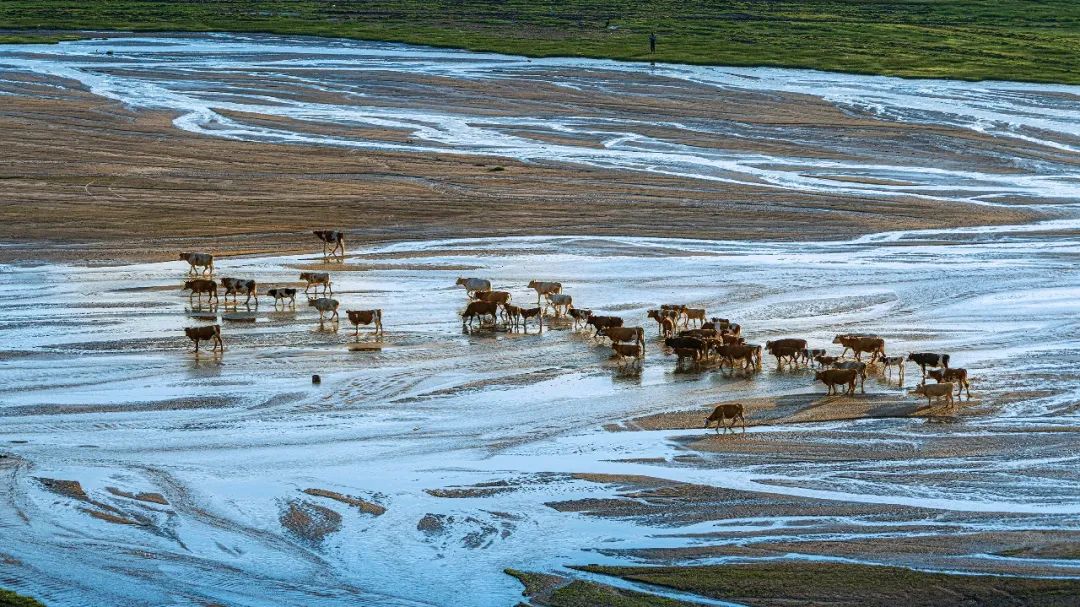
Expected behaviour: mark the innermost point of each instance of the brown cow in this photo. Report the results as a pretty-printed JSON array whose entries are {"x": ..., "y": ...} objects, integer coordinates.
[
  {"x": 731, "y": 411},
  {"x": 798, "y": 344},
  {"x": 697, "y": 314},
  {"x": 197, "y": 334},
  {"x": 333, "y": 237},
  {"x": 234, "y": 286},
  {"x": 365, "y": 317},
  {"x": 545, "y": 289},
  {"x": 838, "y": 377},
  {"x": 862, "y": 343},
  {"x": 858, "y": 366},
  {"x": 624, "y": 334},
  {"x": 499, "y": 297},
  {"x": 848, "y": 336},
  {"x": 827, "y": 361},
  {"x": 200, "y": 286},
  {"x": 746, "y": 353},
  {"x": 955, "y": 376},
  {"x": 479, "y": 309},
  {"x": 315, "y": 279},
  {"x": 527, "y": 313},
  {"x": 938, "y": 391},
  {"x": 790, "y": 353},
  {"x": 635, "y": 351}
]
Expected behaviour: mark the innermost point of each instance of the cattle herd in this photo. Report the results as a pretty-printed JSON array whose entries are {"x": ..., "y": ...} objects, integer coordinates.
[{"x": 695, "y": 338}]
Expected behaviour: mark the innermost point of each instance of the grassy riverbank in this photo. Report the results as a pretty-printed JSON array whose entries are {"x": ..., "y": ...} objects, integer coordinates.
[{"x": 969, "y": 39}]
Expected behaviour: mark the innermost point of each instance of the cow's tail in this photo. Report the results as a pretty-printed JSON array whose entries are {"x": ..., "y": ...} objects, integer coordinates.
[
  {"x": 945, "y": 360},
  {"x": 641, "y": 338}
]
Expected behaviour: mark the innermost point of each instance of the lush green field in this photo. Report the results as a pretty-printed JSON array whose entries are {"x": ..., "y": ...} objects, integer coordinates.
[
  {"x": 10, "y": 599},
  {"x": 972, "y": 39}
]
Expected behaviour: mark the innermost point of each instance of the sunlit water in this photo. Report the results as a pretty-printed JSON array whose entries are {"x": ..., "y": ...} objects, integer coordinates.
[{"x": 100, "y": 386}]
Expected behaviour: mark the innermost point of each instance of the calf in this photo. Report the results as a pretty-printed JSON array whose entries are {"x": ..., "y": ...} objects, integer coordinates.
[
  {"x": 545, "y": 289},
  {"x": 233, "y": 286},
  {"x": 862, "y": 343},
  {"x": 365, "y": 317},
  {"x": 479, "y": 309},
  {"x": 197, "y": 334},
  {"x": 527, "y": 313},
  {"x": 474, "y": 285},
  {"x": 809, "y": 355},
  {"x": 732, "y": 411},
  {"x": 826, "y": 361},
  {"x": 281, "y": 294},
  {"x": 893, "y": 361},
  {"x": 202, "y": 260},
  {"x": 928, "y": 359},
  {"x": 317, "y": 279},
  {"x": 333, "y": 237},
  {"x": 324, "y": 305},
  {"x": 200, "y": 286},
  {"x": 624, "y": 334},
  {"x": 955, "y": 376},
  {"x": 603, "y": 322},
  {"x": 683, "y": 353},
  {"x": 837, "y": 377},
  {"x": 938, "y": 391}
]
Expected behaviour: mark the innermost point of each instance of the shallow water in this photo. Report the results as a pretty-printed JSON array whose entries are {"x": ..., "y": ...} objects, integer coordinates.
[{"x": 100, "y": 385}]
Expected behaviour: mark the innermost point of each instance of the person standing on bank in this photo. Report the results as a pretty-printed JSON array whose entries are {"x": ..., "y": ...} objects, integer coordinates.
[{"x": 652, "y": 42}]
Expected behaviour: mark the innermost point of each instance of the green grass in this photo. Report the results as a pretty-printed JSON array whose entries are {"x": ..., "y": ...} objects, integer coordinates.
[
  {"x": 10, "y": 599},
  {"x": 1033, "y": 40},
  {"x": 848, "y": 584},
  {"x": 35, "y": 38}
]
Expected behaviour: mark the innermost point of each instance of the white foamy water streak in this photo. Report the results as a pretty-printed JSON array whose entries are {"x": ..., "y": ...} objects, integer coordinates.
[{"x": 218, "y": 83}]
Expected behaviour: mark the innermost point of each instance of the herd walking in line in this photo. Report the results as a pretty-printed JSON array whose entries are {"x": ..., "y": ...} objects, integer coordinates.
[{"x": 696, "y": 339}]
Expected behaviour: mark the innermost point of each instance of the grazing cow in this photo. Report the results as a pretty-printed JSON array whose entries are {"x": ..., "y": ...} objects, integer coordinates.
[
  {"x": 479, "y": 309},
  {"x": 365, "y": 317},
  {"x": 847, "y": 336},
  {"x": 315, "y": 279},
  {"x": 474, "y": 285},
  {"x": 201, "y": 260},
  {"x": 955, "y": 376},
  {"x": 697, "y": 314},
  {"x": 928, "y": 359},
  {"x": 624, "y": 334},
  {"x": 603, "y": 322},
  {"x": 748, "y": 354},
  {"x": 893, "y": 361},
  {"x": 580, "y": 316},
  {"x": 635, "y": 352},
  {"x": 809, "y": 355},
  {"x": 197, "y": 334},
  {"x": 233, "y": 286},
  {"x": 838, "y": 377},
  {"x": 333, "y": 237},
  {"x": 324, "y": 305},
  {"x": 560, "y": 302},
  {"x": 281, "y": 294},
  {"x": 862, "y": 343},
  {"x": 200, "y": 286},
  {"x": 938, "y": 391},
  {"x": 545, "y": 289},
  {"x": 856, "y": 365},
  {"x": 733, "y": 411}
]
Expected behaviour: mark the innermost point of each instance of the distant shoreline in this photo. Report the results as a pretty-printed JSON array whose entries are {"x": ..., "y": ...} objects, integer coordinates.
[{"x": 1010, "y": 40}]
